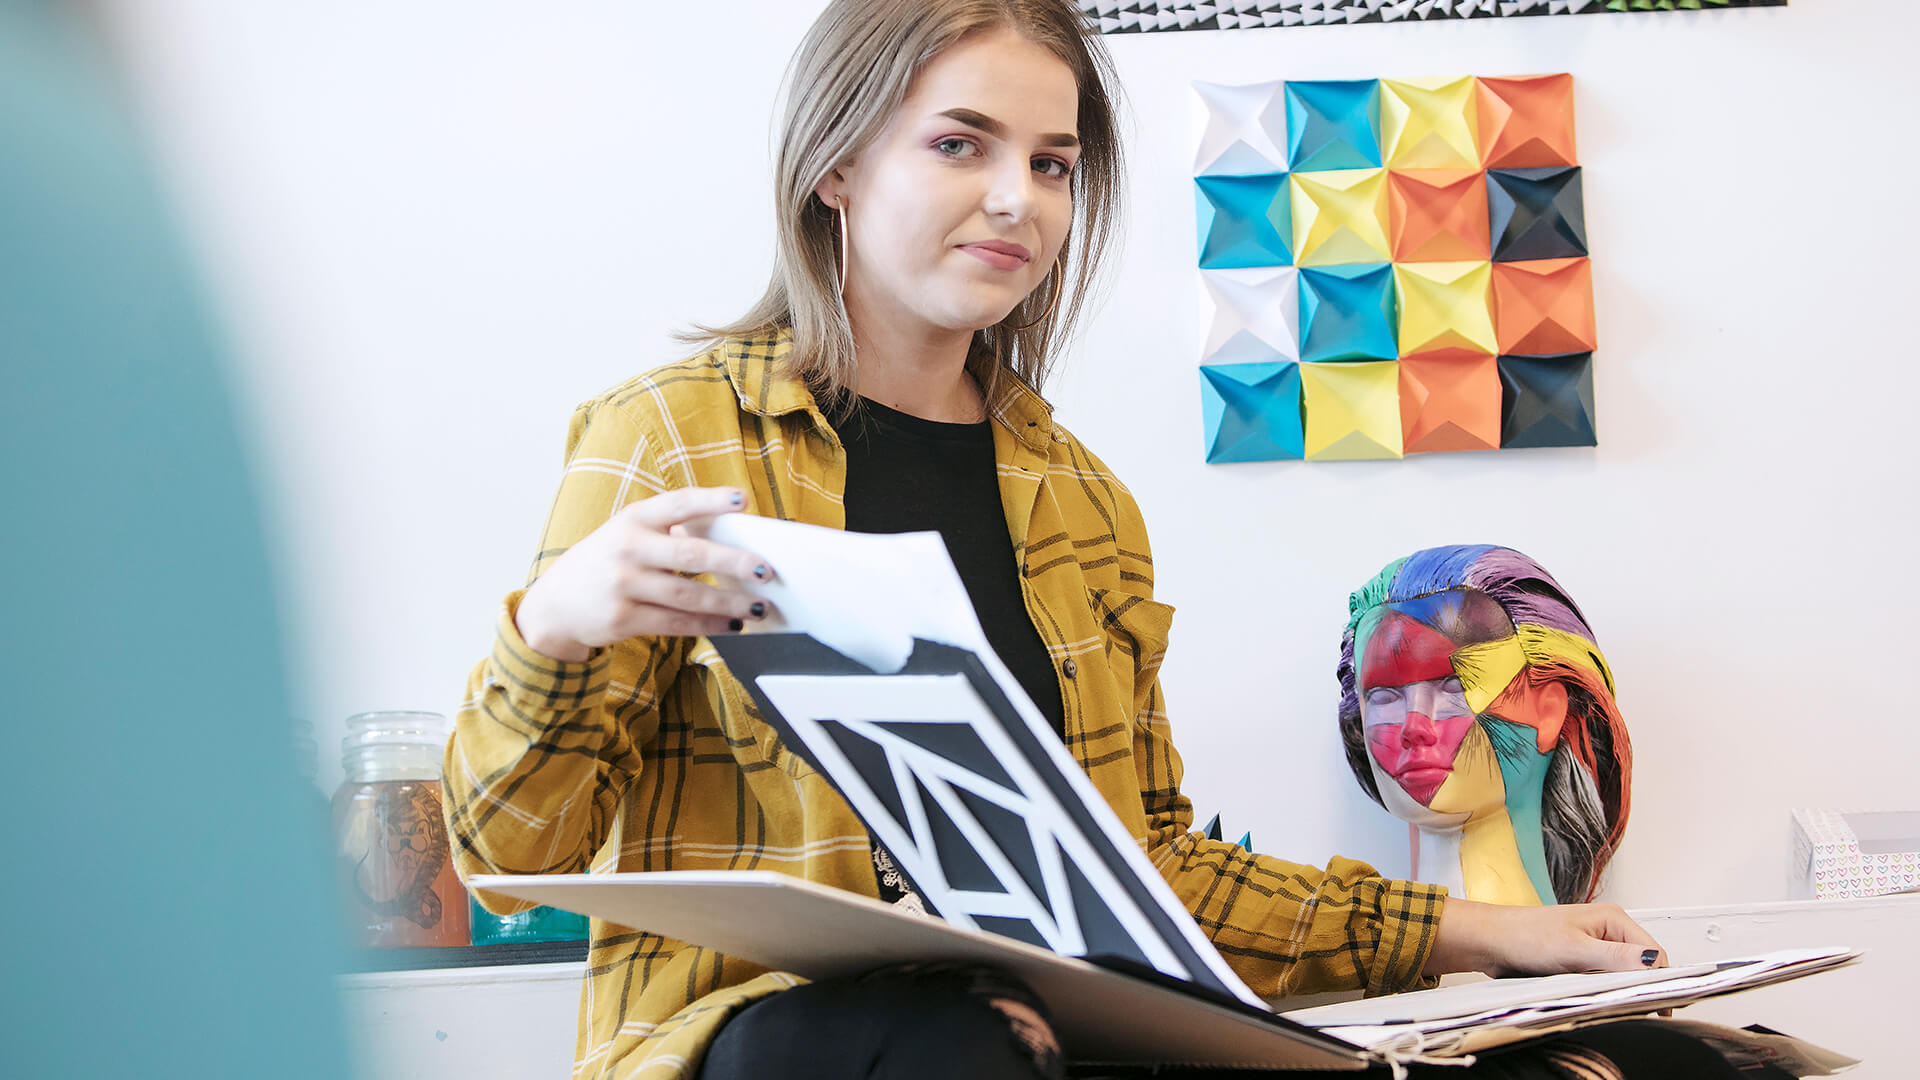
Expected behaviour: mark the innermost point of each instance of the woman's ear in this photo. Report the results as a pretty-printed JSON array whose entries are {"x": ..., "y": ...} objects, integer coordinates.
[
  {"x": 1551, "y": 701},
  {"x": 832, "y": 188}
]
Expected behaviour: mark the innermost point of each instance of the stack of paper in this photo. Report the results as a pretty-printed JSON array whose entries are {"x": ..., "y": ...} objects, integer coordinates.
[{"x": 1474, "y": 1016}]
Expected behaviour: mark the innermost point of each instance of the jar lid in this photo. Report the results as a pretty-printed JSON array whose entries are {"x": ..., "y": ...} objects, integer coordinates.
[{"x": 395, "y": 728}]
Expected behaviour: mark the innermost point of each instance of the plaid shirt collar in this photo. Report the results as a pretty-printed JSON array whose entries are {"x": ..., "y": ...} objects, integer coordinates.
[{"x": 766, "y": 387}]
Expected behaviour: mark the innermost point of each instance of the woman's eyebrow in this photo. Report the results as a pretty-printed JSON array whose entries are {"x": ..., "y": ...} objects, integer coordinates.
[{"x": 999, "y": 130}]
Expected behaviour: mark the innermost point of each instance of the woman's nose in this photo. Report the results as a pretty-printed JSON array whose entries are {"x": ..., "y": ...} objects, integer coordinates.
[
  {"x": 1011, "y": 191},
  {"x": 1419, "y": 730}
]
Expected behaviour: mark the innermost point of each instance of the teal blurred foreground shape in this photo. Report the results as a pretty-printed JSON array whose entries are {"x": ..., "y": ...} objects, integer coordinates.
[{"x": 166, "y": 905}]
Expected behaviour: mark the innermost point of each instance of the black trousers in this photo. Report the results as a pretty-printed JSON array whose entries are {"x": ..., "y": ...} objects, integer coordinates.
[{"x": 941, "y": 1022}]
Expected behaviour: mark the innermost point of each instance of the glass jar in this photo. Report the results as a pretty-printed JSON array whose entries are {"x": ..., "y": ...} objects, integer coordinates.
[{"x": 394, "y": 859}]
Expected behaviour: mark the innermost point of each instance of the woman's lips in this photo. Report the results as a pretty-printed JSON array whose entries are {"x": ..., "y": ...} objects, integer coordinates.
[
  {"x": 998, "y": 254},
  {"x": 1422, "y": 781}
]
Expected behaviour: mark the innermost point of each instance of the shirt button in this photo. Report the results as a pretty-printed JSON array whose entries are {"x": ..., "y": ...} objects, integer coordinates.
[{"x": 1070, "y": 669}]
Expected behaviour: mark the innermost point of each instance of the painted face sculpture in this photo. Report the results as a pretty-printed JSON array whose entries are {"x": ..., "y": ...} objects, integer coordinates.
[{"x": 1475, "y": 705}]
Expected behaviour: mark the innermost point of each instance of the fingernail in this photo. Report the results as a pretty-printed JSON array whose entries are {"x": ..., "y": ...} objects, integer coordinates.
[
  {"x": 758, "y": 609},
  {"x": 1647, "y": 958},
  {"x": 735, "y": 625},
  {"x": 739, "y": 498},
  {"x": 761, "y": 573}
]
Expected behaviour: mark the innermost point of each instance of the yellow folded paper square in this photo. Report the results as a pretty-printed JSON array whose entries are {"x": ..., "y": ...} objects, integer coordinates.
[
  {"x": 1339, "y": 217},
  {"x": 1430, "y": 123},
  {"x": 1445, "y": 308},
  {"x": 1353, "y": 410}
]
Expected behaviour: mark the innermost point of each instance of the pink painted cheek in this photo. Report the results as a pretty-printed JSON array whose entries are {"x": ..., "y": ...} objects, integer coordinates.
[
  {"x": 1383, "y": 740},
  {"x": 1453, "y": 731}
]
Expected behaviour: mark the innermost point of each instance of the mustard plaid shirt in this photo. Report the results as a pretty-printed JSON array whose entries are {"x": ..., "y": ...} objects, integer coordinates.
[{"x": 650, "y": 756}]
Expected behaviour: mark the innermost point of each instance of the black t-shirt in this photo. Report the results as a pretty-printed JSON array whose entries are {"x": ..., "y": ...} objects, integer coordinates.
[{"x": 905, "y": 474}]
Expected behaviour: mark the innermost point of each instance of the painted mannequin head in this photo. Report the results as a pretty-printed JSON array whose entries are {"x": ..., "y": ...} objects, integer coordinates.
[{"x": 1475, "y": 704}]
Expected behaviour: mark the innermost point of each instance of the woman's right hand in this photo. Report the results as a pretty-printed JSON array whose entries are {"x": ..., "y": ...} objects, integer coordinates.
[{"x": 624, "y": 579}]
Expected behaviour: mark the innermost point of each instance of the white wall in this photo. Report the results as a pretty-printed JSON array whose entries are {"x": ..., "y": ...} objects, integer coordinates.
[{"x": 438, "y": 225}]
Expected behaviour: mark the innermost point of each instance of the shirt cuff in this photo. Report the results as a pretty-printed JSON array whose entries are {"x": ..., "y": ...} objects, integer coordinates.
[
  {"x": 536, "y": 681},
  {"x": 1409, "y": 925}
]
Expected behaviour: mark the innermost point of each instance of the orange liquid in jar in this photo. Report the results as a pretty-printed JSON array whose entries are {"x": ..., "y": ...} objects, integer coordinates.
[{"x": 396, "y": 867}]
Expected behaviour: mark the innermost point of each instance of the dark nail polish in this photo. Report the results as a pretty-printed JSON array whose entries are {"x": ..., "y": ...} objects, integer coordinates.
[
  {"x": 739, "y": 499},
  {"x": 758, "y": 609},
  {"x": 1648, "y": 958},
  {"x": 761, "y": 573},
  {"x": 735, "y": 625}
]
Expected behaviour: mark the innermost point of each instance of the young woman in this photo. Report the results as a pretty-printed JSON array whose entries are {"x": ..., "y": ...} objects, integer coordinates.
[{"x": 946, "y": 182}]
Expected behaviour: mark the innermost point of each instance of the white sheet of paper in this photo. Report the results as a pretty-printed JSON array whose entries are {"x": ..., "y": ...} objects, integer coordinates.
[{"x": 865, "y": 595}]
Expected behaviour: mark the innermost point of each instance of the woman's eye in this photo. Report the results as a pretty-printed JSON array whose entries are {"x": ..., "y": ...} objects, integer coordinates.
[
  {"x": 1053, "y": 167},
  {"x": 954, "y": 146}
]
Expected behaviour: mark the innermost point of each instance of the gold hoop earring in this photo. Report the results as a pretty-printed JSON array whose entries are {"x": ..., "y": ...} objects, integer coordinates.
[
  {"x": 1059, "y": 275},
  {"x": 840, "y": 211}
]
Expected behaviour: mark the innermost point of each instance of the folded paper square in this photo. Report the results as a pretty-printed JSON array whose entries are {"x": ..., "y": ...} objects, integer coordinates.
[
  {"x": 1333, "y": 124},
  {"x": 1449, "y": 403},
  {"x": 1340, "y": 217},
  {"x": 1246, "y": 130},
  {"x": 1251, "y": 412},
  {"x": 1526, "y": 121},
  {"x": 1445, "y": 308},
  {"x": 1429, "y": 123},
  {"x": 1536, "y": 213},
  {"x": 1255, "y": 317},
  {"x": 1437, "y": 215},
  {"x": 1544, "y": 306},
  {"x": 1547, "y": 401},
  {"x": 1352, "y": 410},
  {"x": 1244, "y": 220},
  {"x": 1347, "y": 313}
]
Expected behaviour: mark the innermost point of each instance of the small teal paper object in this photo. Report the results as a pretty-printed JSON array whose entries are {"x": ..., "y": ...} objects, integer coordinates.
[
  {"x": 1244, "y": 220},
  {"x": 1348, "y": 313},
  {"x": 1536, "y": 213},
  {"x": 1246, "y": 842},
  {"x": 1547, "y": 401},
  {"x": 1251, "y": 412},
  {"x": 1333, "y": 125}
]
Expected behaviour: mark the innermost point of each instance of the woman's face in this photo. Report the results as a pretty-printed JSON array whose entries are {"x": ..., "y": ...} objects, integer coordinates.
[
  {"x": 1433, "y": 760},
  {"x": 959, "y": 208}
]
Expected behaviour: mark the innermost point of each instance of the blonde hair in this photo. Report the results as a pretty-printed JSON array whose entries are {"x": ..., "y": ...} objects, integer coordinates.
[{"x": 848, "y": 78}]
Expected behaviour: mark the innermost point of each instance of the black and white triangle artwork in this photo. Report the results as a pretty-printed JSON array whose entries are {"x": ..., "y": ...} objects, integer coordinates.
[
  {"x": 1146, "y": 16},
  {"x": 987, "y": 848},
  {"x": 957, "y": 775}
]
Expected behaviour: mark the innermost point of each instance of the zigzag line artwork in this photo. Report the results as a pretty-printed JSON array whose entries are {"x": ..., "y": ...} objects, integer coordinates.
[{"x": 1152, "y": 16}]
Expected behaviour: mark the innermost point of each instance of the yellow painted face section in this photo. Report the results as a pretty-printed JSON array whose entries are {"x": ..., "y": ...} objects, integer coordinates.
[
  {"x": 1476, "y": 786},
  {"x": 1486, "y": 669}
]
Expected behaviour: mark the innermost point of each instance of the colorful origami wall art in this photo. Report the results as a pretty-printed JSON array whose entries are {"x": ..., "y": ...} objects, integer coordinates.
[
  {"x": 1146, "y": 16},
  {"x": 1476, "y": 706},
  {"x": 1392, "y": 267}
]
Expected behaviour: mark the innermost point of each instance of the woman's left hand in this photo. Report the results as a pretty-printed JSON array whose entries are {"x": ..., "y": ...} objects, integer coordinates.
[{"x": 1550, "y": 940}]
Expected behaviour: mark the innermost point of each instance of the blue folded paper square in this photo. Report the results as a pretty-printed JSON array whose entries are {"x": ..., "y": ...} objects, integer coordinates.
[
  {"x": 1333, "y": 124},
  {"x": 1348, "y": 313},
  {"x": 1251, "y": 412},
  {"x": 1244, "y": 220}
]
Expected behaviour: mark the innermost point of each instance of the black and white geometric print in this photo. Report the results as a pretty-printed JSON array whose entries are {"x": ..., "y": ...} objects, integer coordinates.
[
  {"x": 993, "y": 823},
  {"x": 1143, "y": 16},
  {"x": 941, "y": 786}
]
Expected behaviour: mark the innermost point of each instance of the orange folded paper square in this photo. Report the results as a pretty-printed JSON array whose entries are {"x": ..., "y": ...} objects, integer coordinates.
[
  {"x": 1526, "y": 121},
  {"x": 1438, "y": 215},
  {"x": 1449, "y": 403},
  {"x": 1543, "y": 306}
]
